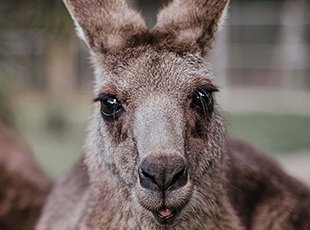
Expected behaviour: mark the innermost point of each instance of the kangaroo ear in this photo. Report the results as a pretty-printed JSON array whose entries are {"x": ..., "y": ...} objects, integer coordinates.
[
  {"x": 105, "y": 25},
  {"x": 191, "y": 24}
]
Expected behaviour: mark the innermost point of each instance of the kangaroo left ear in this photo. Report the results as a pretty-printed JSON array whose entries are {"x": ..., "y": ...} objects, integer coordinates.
[
  {"x": 105, "y": 25},
  {"x": 191, "y": 24}
]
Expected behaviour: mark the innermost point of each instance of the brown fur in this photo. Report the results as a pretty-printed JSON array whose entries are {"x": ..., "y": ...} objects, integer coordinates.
[
  {"x": 155, "y": 74},
  {"x": 263, "y": 195},
  {"x": 23, "y": 186},
  {"x": 101, "y": 31}
]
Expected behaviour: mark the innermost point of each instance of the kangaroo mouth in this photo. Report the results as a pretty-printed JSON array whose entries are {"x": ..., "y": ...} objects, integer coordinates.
[{"x": 165, "y": 215}]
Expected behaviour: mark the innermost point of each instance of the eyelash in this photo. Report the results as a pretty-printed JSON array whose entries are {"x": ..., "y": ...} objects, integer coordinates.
[
  {"x": 111, "y": 107},
  {"x": 202, "y": 102},
  {"x": 202, "y": 99}
]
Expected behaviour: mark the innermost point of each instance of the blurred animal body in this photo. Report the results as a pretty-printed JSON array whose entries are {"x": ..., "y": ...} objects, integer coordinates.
[
  {"x": 23, "y": 186},
  {"x": 157, "y": 154}
]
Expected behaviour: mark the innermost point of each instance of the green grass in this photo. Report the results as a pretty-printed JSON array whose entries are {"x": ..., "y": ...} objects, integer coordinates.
[{"x": 274, "y": 133}]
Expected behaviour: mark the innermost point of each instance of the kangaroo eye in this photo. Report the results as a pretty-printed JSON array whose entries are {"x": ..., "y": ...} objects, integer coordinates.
[
  {"x": 202, "y": 99},
  {"x": 111, "y": 107}
]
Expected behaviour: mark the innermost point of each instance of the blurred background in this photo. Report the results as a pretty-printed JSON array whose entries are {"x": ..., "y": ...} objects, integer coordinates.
[{"x": 261, "y": 60}]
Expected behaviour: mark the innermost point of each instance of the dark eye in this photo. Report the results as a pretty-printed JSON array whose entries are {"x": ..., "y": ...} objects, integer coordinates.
[
  {"x": 203, "y": 100},
  {"x": 111, "y": 107}
]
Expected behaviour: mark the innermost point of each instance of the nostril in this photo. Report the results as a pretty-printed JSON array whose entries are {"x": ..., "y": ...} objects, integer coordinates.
[
  {"x": 158, "y": 174},
  {"x": 145, "y": 174},
  {"x": 182, "y": 171},
  {"x": 179, "y": 179},
  {"x": 147, "y": 179}
]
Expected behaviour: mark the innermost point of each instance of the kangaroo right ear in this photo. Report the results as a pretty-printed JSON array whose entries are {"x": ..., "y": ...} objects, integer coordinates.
[
  {"x": 191, "y": 24},
  {"x": 105, "y": 25}
]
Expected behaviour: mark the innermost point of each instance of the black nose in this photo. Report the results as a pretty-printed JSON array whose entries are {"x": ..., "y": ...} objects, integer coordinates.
[{"x": 163, "y": 173}]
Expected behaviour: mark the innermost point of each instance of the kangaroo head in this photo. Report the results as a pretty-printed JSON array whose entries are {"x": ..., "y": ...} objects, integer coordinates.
[{"x": 156, "y": 130}]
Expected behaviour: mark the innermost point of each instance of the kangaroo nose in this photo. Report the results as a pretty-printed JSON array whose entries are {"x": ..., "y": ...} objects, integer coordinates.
[{"x": 163, "y": 173}]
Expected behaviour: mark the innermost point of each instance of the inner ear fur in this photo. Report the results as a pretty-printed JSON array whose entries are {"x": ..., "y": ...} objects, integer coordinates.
[
  {"x": 105, "y": 25},
  {"x": 191, "y": 24}
]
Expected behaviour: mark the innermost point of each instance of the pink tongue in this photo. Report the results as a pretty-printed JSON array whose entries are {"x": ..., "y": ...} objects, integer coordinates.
[{"x": 166, "y": 212}]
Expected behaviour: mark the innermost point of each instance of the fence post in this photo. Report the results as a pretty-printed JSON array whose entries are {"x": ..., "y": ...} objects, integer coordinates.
[{"x": 291, "y": 54}]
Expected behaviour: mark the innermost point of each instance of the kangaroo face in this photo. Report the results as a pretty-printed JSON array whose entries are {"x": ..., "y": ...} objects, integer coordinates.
[
  {"x": 153, "y": 126},
  {"x": 155, "y": 129}
]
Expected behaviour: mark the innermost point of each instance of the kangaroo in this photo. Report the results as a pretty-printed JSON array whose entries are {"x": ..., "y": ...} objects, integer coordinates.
[
  {"x": 23, "y": 186},
  {"x": 157, "y": 155}
]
